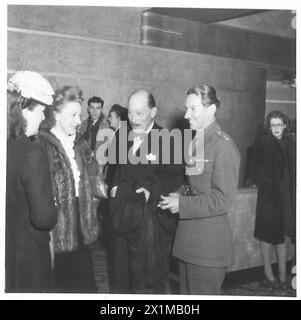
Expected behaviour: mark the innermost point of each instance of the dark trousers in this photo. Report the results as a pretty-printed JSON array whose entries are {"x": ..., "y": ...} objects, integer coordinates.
[
  {"x": 120, "y": 266},
  {"x": 107, "y": 240},
  {"x": 201, "y": 280},
  {"x": 141, "y": 267},
  {"x": 132, "y": 273},
  {"x": 164, "y": 239}
]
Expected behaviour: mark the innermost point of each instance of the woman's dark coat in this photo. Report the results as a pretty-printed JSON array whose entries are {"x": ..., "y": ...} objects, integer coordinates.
[
  {"x": 274, "y": 173},
  {"x": 30, "y": 215}
]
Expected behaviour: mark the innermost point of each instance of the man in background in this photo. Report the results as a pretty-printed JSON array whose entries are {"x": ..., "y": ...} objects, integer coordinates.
[{"x": 95, "y": 122}]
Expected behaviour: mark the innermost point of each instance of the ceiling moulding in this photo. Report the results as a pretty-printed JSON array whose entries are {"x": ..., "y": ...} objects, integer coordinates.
[{"x": 193, "y": 36}]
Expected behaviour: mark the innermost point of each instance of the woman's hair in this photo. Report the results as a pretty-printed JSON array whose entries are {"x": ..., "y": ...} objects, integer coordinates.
[
  {"x": 66, "y": 94},
  {"x": 277, "y": 115},
  {"x": 61, "y": 97},
  {"x": 16, "y": 123},
  {"x": 120, "y": 111},
  {"x": 207, "y": 93}
]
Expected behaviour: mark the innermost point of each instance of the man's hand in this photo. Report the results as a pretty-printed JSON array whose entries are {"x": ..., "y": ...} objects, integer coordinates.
[
  {"x": 171, "y": 202},
  {"x": 113, "y": 191},
  {"x": 146, "y": 193},
  {"x": 104, "y": 188}
]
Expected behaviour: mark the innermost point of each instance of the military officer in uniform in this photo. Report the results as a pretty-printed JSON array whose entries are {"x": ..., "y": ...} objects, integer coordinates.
[{"x": 203, "y": 241}]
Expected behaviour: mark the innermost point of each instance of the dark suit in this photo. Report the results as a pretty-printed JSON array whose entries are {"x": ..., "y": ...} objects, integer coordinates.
[
  {"x": 150, "y": 245},
  {"x": 113, "y": 156},
  {"x": 30, "y": 215},
  {"x": 89, "y": 130}
]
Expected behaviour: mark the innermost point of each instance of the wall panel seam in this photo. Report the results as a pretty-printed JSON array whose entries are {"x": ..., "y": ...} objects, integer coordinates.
[{"x": 281, "y": 101}]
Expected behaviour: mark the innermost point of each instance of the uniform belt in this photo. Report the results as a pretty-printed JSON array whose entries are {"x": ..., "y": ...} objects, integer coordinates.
[{"x": 215, "y": 216}]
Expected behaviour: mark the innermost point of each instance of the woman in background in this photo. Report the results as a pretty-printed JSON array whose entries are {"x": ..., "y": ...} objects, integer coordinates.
[
  {"x": 77, "y": 225},
  {"x": 116, "y": 115},
  {"x": 30, "y": 208},
  {"x": 274, "y": 171}
]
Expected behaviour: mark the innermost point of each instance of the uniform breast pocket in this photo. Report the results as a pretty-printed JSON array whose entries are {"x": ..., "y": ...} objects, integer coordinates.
[{"x": 202, "y": 182}]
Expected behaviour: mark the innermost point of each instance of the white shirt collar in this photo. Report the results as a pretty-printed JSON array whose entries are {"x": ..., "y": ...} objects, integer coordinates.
[
  {"x": 62, "y": 137},
  {"x": 150, "y": 128},
  {"x": 68, "y": 144}
]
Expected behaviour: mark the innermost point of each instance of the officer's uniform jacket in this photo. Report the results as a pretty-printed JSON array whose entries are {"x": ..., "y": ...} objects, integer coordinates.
[{"x": 203, "y": 235}]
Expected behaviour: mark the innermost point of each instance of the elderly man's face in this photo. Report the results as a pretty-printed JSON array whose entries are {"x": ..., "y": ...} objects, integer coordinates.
[
  {"x": 139, "y": 114},
  {"x": 197, "y": 114}
]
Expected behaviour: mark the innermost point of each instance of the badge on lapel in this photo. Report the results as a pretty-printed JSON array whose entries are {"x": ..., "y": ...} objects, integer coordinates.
[{"x": 151, "y": 157}]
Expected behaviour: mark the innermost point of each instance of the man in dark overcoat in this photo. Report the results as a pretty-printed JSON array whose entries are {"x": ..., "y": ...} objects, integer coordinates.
[{"x": 142, "y": 251}]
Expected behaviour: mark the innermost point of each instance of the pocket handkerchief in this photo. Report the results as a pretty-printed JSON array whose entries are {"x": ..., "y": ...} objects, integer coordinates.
[{"x": 151, "y": 157}]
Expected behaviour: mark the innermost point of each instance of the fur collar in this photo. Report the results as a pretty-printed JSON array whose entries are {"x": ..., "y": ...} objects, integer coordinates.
[{"x": 80, "y": 144}]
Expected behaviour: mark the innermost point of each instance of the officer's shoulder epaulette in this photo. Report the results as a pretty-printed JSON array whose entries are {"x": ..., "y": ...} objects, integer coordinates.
[{"x": 223, "y": 135}]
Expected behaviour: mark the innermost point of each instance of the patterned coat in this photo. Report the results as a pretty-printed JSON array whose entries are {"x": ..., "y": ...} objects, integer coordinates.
[{"x": 64, "y": 234}]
